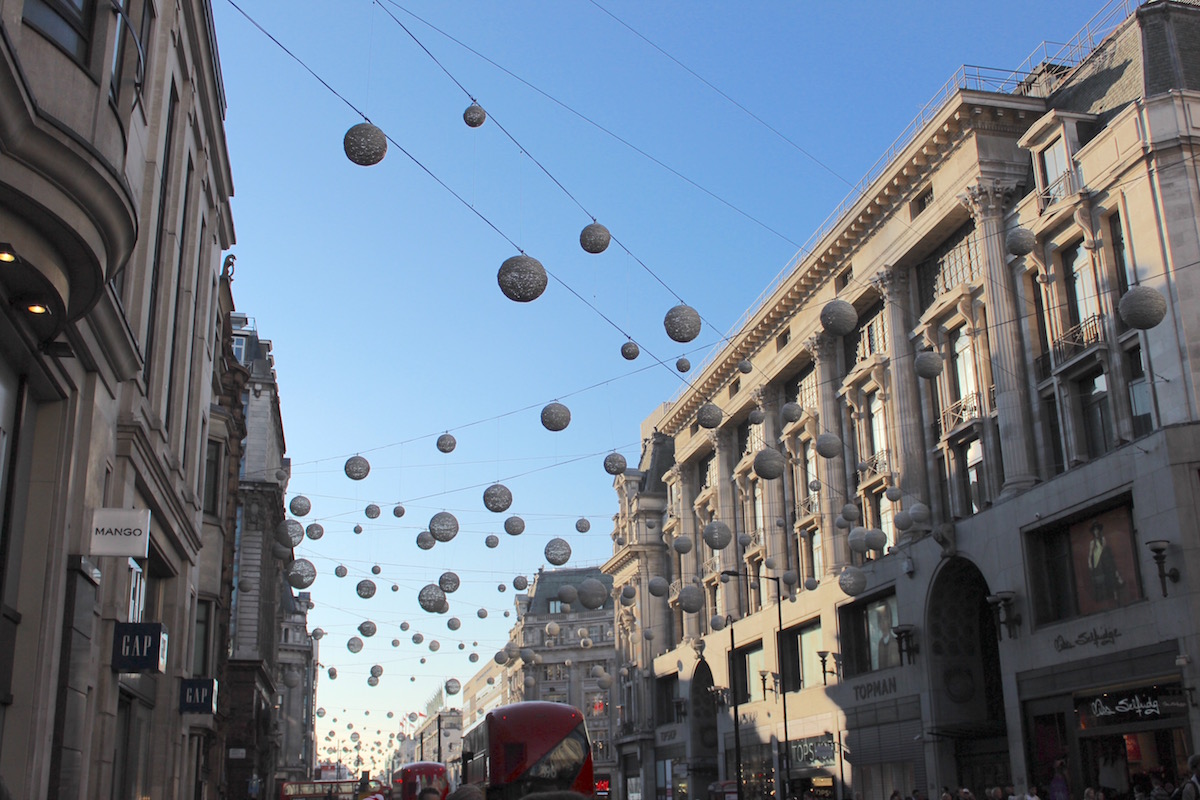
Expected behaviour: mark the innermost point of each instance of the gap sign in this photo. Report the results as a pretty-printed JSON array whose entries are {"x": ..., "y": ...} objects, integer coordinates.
[
  {"x": 120, "y": 532},
  {"x": 198, "y": 696},
  {"x": 139, "y": 647}
]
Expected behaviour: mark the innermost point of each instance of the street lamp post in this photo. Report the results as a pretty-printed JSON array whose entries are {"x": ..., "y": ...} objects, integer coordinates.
[
  {"x": 785, "y": 760},
  {"x": 730, "y": 696}
]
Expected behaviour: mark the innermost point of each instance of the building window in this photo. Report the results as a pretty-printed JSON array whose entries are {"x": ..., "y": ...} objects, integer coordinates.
[
  {"x": 1084, "y": 567},
  {"x": 1054, "y": 168},
  {"x": 706, "y": 471},
  {"x": 1139, "y": 392},
  {"x": 665, "y": 697},
  {"x": 239, "y": 349},
  {"x": 1097, "y": 420},
  {"x": 801, "y": 664},
  {"x": 201, "y": 648},
  {"x": 137, "y": 591},
  {"x": 212, "y": 476},
  {"x": 970, "y": 455},
  {"x": 555, "y": 672},
  {"x": 879, "y": 780},
  {"x": 597, "y": 704},
  {"x": 1082, "y": 303},
  {"x": 747, "y": 662},
  {"x": 555, "y": 606},
  {"x": 868, "y": 643},
  {"x": 923, "y": 201},
  {"x": 955, "y": 262},
  {"x": 876, "y": 428},
  {"x": 1058, "y": 461},
  {"x": 67, "y": 23},
  {"x": 816, "y": 555},
  {"x": 868, "y": 338},
  {"x": 1120, "y": 259}
]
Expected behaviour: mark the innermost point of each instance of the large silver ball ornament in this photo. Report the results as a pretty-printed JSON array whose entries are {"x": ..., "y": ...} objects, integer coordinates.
[
  {"x": 1020, "y": 241},
  {"x": 398, "y": 511},
  {"x": 365, "y": 144},
  {"x": 682, "y": 544},
  {"x": 314, "y": 531},
  {"x": 852, "y": 581},
  {"x": 682, "y": 323},
  {"x": 928, "y": 364},
  {"x": 592, "y": 593},
  {"x": 300, "y": 505},
  {"x": 811, "y": 584},
  {"x": 453, "y": 686},
  {"x": 340, "y": 571},
  {"x": 717, "y": 535},
  {"x": 357, "y": 468},
  {"x": 431, "y": 598},
  {"x": 365, "y": 589},
  {"x": 709, "y": 415},
  {"x": 658, "y": 586},
  {"x": 829, "y": 445},
  {"x": 717, "y": 623},
  {"x": 474, "y": 116},
  {"x": 1142, "y": 307},
  {"x": 851, "y": 512},
  {"x": 497, "y": 498},
  {"x": 482, "y": 613},
  {"x": 876, "y": 540},
  {"x": 582, "y": 525},
  {"x": 568, "y": 594},
  {"x": 893, "y": 493},
  {"x": 372, "y": 511},
  {"x": 630, "y": 350},
  {"x": 791, "y": 412},
  {"x": 605, "y": 681},
  {"x": 446, "y": 443},
  {"x": 769, "y": 464},
  {"x": 556, "y": 417},
  {"x": 454, "y": 623},
  {"x": 838, "y": 317},
  {"x": 594, "y": 238},
  {"x": 683, "y": 364},
  {"x": 857, "y": 539},
  {"x": 919, "y": 512},
  {"x": 514, "y": 526},
  {"x": 449, "y": 582},
  {"x": 492, "y": 541},
  {"x": 354, "y": 645},
  {"x": 367, "y": 628},
  {"x": 902, "y": 520},
  {"x": 444, "y": 526},
  {"x": 289, "y": 533},
  {"x": 628, "y": 591},
  {"x": 520, "y": 583},
  {"x": 522, "y": 278},
  {"x": 614, "y": 464},
  {"x": 745, "y": 367},
  {"x": 301, "y": 573},
  {"x": 425, "y": 540},
  {"x": 756, "y": 416},
  {"x": 691, "y": 598},
  {"x": 558, "y": 551}
]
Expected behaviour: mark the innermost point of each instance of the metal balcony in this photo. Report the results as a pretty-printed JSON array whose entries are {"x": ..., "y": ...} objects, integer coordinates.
[
  {"x": 965, "y": 410},
  {"x": 1086, "y": 334}
]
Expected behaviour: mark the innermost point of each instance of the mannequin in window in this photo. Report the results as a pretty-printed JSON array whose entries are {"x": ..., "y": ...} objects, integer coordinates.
[{"x": 1102, "y": 566}]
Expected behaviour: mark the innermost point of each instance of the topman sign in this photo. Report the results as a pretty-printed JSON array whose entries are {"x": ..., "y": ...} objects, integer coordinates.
[{"x": 120, "y": 532}]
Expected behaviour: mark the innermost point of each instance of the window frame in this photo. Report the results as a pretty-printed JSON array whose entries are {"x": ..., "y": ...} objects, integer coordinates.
[{"x": 79, "y": 22}]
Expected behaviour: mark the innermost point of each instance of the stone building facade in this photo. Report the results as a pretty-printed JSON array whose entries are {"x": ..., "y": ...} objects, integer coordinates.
[
  {"x": 969, "y": 552},
  {"x": 114, "y": 212}
]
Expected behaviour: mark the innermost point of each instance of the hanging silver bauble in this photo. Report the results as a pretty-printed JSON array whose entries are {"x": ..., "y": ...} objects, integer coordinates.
[
  {"x": 851, "y": 512},
  {"x": 514, "y": 526},
  {"x": 453, "y": 686},
  {"x": 365, "y": 588},
  {"x": 354, "y": 645},
  {"x": 425, "y": 540},
  {"x": 492, "y": 541},
  {"x": 829, "y": 445},
  {"x": 1142, "y": 307},
  {"x": 893, "y": 493},
  {"x": 497, "y": 498},
  {"x": 717, "y": 535},
  {"x": 446, "y": 443},
  {"x": 482, "y": 613},
  {"x": 592, "y": 593},
  {"x": 842, "y": 523},
  {"x": 365, "y": 144},
  {"x": 300, "y": 505},
  {"x": 790, "y": 578},
  {"x": 558, "y": 551},
  {"x": 769, "y": 464},
  {"x": 372, "y": 681},
  {"x": 395, "y": 587},
  {"x": 474, "y": 116},
  {"x": 791, "y": 412},
  {"x": 769, "y": 562},
  {"x": 340, "y": 571},
  {"x": 556, "y": 417},
  {"x": 314, "y": 531},
  {"x": 811, "y": 584},
  {"x": 683, "y": 365},
  {"x": 444, "y": 526},
  {"x": 586, "y": 643},
  {"x": 876, "y": 540},
  {"x": 397, "y": 511},
  {"x": 321, "y": 712},
  {"x": 658, "y": 586},
  {"x": 682, "y": 323},
  {"x": 582, "y": 525},
  {"x": 568, "y": 594},
  {"x": 814, "y": 485},
  {"x": 434, "y": 645},
  {"x": 756, "y": 416},
  {"x": 520, "y": 583},
  {"x": 614, "y": 464},
  {"x": 1020, "y": 241},
  {"x": 682, "y": 544},
  {"x": 318, "y": 634},
  {"x": 852, "y": 581},
  {"x": 473, "y": 658},
  {"x": 431, "y": 597},
  {"x": 745, "y": 367},
  {"x": 630, "y": 350},
  {"x": 594, "y": 238},
  {"x": 709, "y": 415},
  {"x": 291, "y": 678},
  {"x": 522, "y": 278},
  {"x": 553, "y": 628},
  {"x": 857, "y": 539},
  {"x": 417, "y": 638},
  {"x": 605, "y": 681},
  {"x": 717, "y": 623},
  {"x": 395, "y": 642},
  {"x": 333, "y": 673},
  {"x": 919, "y": 512},
  {"x": 744, "y": 539},
  {"x": 620, "y": 540},
  {"x": 449, "y": 582},
  {"x": 358, "y": 528},
  {"x": 838, "y": 317},
  {"x": 357, "y": 468},
  {"x": 289, "y": 533},
  {"x": 691, "y": 598},
  {"x": 367, "y": 628},
  {"x": 902, "y": 520},
  {"x": 372, "y": 511},
  {"x": 928, "y": 364},
  {"x": 502, "y": 588},
  {"x": 301, "y": 573}
]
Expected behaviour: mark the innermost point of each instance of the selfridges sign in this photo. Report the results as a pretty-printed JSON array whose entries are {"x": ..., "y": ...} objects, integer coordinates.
[{"x": 1130, "y": 705}]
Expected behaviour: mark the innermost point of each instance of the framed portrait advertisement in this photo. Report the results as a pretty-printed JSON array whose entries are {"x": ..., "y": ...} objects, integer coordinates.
[{"x": 1105, "y": 565}]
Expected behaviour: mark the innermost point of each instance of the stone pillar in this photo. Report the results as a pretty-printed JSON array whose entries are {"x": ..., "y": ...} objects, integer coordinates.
[
  {"x": 907, "y": 431},
  {"x": 986, "y": 201},
  {"x": 831, "y": 471}
]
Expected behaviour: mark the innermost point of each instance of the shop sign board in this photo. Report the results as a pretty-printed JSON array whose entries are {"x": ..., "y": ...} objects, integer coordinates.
[
  {"x": 1126, "y": 706},
  {"x": 198, "y": 696},
  {"x": 815, "y": 751},
  {"x": 139, "y": 647},
  {"x": 120, "y": 532}
]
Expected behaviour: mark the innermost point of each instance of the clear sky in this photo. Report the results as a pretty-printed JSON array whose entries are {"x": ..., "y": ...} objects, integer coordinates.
[{"x": 377, "y": 285}]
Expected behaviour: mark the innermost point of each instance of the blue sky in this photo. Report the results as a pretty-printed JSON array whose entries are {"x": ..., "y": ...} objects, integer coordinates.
[{"x": 378, "y": 286}]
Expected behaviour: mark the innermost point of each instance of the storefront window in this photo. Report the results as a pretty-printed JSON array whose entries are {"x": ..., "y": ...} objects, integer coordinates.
[{"x": 870, "y": 644}]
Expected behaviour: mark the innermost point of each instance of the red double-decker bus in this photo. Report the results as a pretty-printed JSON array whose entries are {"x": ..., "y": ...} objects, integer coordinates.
[
  {"x": 529, "y": 747},
  {"x": 411, "y": 780},
  {"x": 320, "y": 790}
]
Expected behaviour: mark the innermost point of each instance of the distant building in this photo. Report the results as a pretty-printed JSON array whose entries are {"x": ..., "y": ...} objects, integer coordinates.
[{"x": 928, "y": 519}]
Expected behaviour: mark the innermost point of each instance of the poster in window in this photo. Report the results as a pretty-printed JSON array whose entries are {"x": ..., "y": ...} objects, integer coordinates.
[
  {"x": 1105, "y": 568},
  {"x": 881, "y": 617}
]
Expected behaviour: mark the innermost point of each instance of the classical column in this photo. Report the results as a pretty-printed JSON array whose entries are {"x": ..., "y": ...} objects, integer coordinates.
[
  {"x": 831, "y": 471},
  {"x": 986, "y": 201},
  {"x": 907, "y": 434}
]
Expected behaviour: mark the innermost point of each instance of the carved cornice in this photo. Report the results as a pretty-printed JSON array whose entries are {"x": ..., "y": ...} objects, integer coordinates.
[
  {"x": 820, "y": 346},
  {"x": 892, "y": 284},
  {"x": 988, "y": 198}
]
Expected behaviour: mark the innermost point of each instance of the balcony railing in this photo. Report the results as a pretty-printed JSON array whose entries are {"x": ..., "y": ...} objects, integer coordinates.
[
  {"x": 712, "y": 565},
  {"x": 964, "y": 410},
  {"x": 876, "y": 464},
  {"x": 1063, "y": 186},
  {"x": 1081, "y": 337},
  {"x": 674, "y": 589},
  {"x": 1042, "y": 366},
  {"x": 808, "y": 506}
]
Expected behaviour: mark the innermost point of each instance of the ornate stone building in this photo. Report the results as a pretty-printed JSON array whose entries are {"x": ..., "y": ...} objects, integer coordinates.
[{"x": 928, "y": 519}]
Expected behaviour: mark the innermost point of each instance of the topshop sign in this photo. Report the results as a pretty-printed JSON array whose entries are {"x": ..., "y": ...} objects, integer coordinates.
[{"x": 120, "y": 532}]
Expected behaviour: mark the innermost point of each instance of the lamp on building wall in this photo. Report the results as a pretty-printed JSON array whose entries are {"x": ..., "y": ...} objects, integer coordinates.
[
  {"x": 837, "y": 666},
  {"x": 905, "y": 643},
  {"x": 774, "y": 688},
  {"x": 1159, "y": 548},
  {"x": 1002, "y": 612},
  {"x": 7, "y": 253}
]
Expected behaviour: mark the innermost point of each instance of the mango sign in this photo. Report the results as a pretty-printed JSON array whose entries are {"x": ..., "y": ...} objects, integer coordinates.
[{"x": 120, "y": 532}]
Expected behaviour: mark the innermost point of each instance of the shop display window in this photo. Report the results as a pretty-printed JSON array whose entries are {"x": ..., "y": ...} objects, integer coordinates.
[
  {"x": 1084, "y": 567},
  {"x": 867, "y": 631}
]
